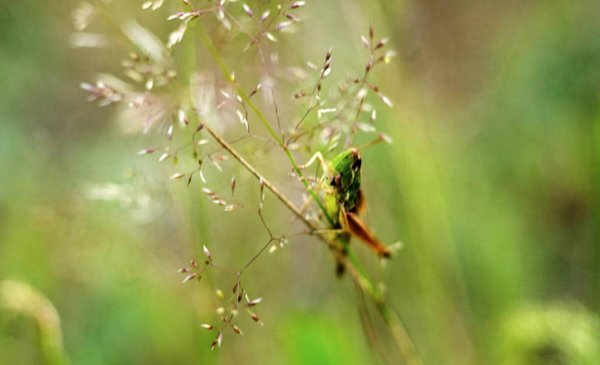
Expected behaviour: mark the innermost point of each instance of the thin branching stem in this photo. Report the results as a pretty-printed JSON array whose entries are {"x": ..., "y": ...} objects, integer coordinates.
[
  {"x": 227, "y": 74},
  {"x": 392, "y": 320}
]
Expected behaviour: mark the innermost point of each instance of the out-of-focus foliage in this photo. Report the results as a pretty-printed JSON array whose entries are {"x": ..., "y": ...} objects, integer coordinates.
[
  {"x": 21, "y": 299},
  {"x": 555, "y": 334},
  {"x": 491, "y": 183}
]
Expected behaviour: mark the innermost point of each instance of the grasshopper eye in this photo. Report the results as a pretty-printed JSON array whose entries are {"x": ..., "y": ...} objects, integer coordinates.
[
  {"x": 356, "y": 164},
  {"x": 335, "y": 181}
]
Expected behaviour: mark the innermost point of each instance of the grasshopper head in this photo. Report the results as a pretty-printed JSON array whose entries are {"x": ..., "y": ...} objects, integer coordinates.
[{"x": 346, "y": 162}]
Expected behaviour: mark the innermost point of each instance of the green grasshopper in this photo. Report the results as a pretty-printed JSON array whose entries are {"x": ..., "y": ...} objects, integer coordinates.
[{"x": 344, "y": 200}]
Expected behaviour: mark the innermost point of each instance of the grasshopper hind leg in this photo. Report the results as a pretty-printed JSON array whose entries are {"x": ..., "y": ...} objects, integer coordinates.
[{"x": 340, "y": 268}]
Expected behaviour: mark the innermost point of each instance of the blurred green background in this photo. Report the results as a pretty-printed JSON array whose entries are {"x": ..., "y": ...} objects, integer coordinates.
[{"x": 492, "y": 183}]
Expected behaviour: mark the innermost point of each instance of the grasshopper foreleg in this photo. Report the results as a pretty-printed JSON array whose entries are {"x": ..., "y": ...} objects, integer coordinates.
[{"x": 316, "y": 157}]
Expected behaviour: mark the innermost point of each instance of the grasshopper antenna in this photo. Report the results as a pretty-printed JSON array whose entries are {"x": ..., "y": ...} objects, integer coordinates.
[{"x": 380, "y": 138}]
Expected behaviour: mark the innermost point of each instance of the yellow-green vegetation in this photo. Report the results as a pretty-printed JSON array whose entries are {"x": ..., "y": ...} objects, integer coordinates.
[{"x": 491, "y": 183}]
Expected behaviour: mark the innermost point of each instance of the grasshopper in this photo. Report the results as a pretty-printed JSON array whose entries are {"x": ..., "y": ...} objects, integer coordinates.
[{"x": 344, "y": 201}]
